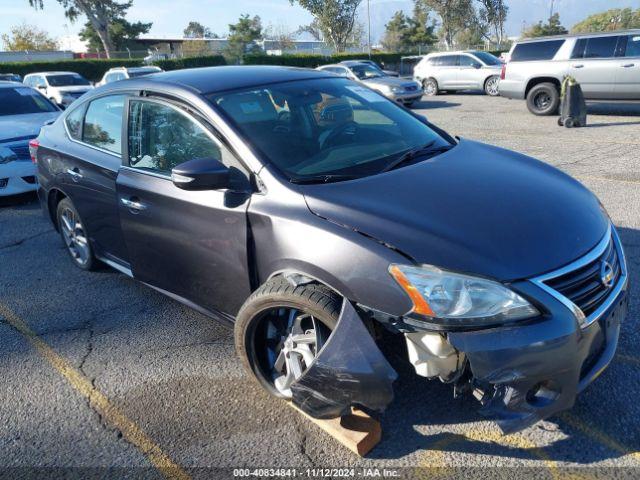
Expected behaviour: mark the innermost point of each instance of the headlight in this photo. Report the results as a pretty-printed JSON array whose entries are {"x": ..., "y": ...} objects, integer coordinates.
[
  {"x": 397, "y": 89},
  {"x": 456, "y": 300}
]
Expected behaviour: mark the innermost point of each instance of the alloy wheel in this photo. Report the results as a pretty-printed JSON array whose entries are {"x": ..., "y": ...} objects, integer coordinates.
[
  {"x": 74, "y": 236},
  {"x": 542, "y": 100},
  {"x": 492, "y": 87},
  {"x": 430, "y": 87}
]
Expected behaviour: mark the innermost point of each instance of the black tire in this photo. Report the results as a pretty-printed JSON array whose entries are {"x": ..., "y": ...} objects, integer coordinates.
[
  {"x": 87, "y": 261},
  {"x": 430, "y": 87},
  {"x": 543, "y": 99},
  {"x": 314, "y": 299},
  {"x": 488, "y": 86},
  {"x": 569, "y": 123}
]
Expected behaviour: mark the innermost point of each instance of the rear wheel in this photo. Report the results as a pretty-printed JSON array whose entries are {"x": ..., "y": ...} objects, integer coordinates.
[
  {"x": 280, "y": 330},
  {"x": 74, "y": 235},
  {"x": 543, "y": 99},
  {"x": 491, "y": 86},
  {"x": 430, "y": 87}
]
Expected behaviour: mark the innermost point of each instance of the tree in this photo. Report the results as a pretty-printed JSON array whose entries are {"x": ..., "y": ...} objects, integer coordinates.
[
  {"x": 243, "y": 36},
  {"x": 197, "y": 30},
  {"x": 336, "y": 19},
  {"x": 421, "y": 27},
  {"x": 616, "y": 19},
  {"x": 455, "y": 16},
  {"x": 280, "y": 37},
  {"x": 28, "y": 37},
  {"x": 395, "y": 35},
  {"x": 312, "y": 29},
  {"x": 493, "y": 14},
  {"x": 552, "y": 27},
  {"x": 122, "y": 34},
  {"x": 100, "y": 14}
]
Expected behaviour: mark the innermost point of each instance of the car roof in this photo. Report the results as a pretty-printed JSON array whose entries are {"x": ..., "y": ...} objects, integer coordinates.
[
  {"x": 457, "y": 52},
  {"x": 9, "y": 84},
  {"x": 135, "y": 69},
  {"x": 355, "y": 62},
  {"x": 52, "y": 73},
  {"x": 218, "y": 79},
  {"x": 580, "y": 35}
]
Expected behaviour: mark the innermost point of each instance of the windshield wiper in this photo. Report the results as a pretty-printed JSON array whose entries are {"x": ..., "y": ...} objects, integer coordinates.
[
  {"x": 412, "y": 154},
  {"x": 328, "y": 178}
]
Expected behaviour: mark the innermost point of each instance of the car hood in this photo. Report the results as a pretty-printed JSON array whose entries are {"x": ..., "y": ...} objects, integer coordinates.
[
  {"x": 14, "y": 127},
  {"x": 476, "y": 208},
  {"x": 390, "y": 81}
]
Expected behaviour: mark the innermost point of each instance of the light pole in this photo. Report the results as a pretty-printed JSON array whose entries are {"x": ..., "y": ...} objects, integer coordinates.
[{"x": 369, "y": 27}]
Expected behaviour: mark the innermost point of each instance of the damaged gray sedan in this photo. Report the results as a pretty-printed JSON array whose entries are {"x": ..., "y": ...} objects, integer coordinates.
[{"x": 317, "y": 217}]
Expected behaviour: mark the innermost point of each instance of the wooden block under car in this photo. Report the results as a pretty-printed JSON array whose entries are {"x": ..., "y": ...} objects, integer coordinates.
[{"x": 358, "y": 431}]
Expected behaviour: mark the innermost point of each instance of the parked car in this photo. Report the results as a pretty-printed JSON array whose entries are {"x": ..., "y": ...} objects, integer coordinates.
[
  {"x": 313, "y": 215},
  {"x": 390, "y": 73},
  {"x": 10, "y": 77},
  {"x": 606, "y": 65},
  {"x": 453, "y": 71},
  {"x": 62, "y": 88},
  {"x": 122, "y": 73},
  {"x": 22, "y": 112},
  {"x": 397, "y": 89}
]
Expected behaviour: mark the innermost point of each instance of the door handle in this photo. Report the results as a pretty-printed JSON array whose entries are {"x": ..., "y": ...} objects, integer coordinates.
[
  {"x": 75, "y": 174},
  {"x": 578, "y": 66},
  {"x": 628, "y": 65},
  {"x": 133, "y": 204}
]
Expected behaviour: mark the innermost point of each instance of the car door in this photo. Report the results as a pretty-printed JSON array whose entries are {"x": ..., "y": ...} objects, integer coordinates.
[
  {"x": 593, "y": 65},
  {"x": 190, "y": 244},
  {"x": 469, "y": 72},
  {"x": 628, "y": 68},
  {"x": 447, "y": 71},
  {"x": 91, "y": 161}
]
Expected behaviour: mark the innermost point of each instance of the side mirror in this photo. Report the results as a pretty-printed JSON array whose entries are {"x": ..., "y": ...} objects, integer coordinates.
[
  {"x": 477, "y": 66},
  {"x": 42, "y": 87},
  {"x": 201, "y": 174}
]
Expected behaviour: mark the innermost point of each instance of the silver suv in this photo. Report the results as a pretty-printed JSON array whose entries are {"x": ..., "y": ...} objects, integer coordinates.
[
  {"x": 447, "y": 71},
  {"x": 607, "y": 66}
]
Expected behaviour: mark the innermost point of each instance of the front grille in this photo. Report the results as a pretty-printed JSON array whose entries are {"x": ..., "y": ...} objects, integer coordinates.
[
  {"x": 22, "y": 152},
  {"x": 411, "y": 88},
  {"x": 585, "y": 286}
]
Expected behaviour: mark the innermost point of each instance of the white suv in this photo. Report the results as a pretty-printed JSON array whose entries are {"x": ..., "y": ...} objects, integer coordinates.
[
  {"x": 122, "y": 73},
  {"x": 448, "y": 71},
  {"x": 606, "y": 65},
  {"x": 62, "y": 88}
]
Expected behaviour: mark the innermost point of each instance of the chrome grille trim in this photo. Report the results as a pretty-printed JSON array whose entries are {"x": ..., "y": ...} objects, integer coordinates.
[{"x": 593, "y": 255}]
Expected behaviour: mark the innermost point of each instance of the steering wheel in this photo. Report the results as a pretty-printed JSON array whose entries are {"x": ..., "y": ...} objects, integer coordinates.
[{"x": 347, "y": 128}]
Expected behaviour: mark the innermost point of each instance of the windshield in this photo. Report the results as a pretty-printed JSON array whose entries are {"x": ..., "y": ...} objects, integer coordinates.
[
  {"x": 487, "y": 58},
  {"x": 67, "y": 80},
  {"x": 365, "y": 71},
  {"x": 142, "y": 73},
  {"x": 21, "y": 100},
  {"x": 10, "y": 77},
  {"x": 324, "y": 127}
]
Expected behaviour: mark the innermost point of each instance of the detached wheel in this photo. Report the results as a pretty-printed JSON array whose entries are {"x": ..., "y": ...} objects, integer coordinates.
[
  {"x": 280, "y": 330},
  {"x": 75, "y": 236},
  {"x": 430, "y": 87},
  {"x": 491, "y": 86},
  {"x": 543, "y": 99}
]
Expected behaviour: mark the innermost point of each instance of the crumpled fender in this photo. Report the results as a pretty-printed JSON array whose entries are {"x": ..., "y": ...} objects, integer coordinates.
[{"x": 349, "y": 371}]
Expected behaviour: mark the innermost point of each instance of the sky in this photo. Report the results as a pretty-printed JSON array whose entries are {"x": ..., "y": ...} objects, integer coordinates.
[{"x": 170, "y": 17}]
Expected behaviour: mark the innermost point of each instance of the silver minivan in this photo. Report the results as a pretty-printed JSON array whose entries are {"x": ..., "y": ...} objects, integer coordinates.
[
  {"x": 449, "y": 71},
  {"x": 607, "y": 66}
]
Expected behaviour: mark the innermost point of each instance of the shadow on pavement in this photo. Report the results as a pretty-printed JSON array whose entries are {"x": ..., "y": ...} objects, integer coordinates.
[
  {"x": 430, "y": 104},
  {"x": 623, "y": 109}
]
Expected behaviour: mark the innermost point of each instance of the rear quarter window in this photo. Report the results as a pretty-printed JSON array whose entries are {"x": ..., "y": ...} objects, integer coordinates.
[{"x": 544, "y": 50}]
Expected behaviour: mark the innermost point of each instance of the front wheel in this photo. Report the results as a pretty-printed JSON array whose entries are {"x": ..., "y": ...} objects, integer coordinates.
[
  {"x": 491, "y": 86},
  {"x": 280, "y": 330},
  {"x": 430, "y": 87},
  {"x": 543, "y": 99}
]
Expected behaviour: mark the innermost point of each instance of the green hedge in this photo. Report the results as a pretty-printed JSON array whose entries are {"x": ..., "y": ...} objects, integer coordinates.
[
  {"x": 313, "y": 61},
  {"x": 93, "y": 69}
]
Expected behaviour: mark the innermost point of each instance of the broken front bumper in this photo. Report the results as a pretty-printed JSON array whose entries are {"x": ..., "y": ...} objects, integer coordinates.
[{"x": 525, "y": 372}]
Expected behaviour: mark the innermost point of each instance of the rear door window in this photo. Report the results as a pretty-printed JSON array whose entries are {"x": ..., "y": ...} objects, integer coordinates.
[
  {"x": 467, "y": 61},
  {"x": 633, "y": 46},
  {"x": 595, "y": 47},
  {"x": 449, "y": 61},
  {"x": 103, "y": 123},
  {"x": 530, "y": 51}
]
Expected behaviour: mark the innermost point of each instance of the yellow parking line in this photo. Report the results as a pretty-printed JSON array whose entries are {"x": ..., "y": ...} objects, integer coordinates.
[
  {"x": 599, "y": 436},
  {"x": 110, "y": 413}
]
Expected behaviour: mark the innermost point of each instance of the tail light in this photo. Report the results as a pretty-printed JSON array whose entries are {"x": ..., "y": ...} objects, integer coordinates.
[
  {"x": 503, "y": 73},
  {"x": 33, "y": 150}
]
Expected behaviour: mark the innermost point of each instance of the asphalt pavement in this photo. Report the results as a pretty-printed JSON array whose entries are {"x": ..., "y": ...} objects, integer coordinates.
[{"x": 102, "y": 376}]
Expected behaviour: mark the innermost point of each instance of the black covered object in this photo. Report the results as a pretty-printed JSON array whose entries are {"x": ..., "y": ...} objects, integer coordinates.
[{"x": 573, "y": 109}]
